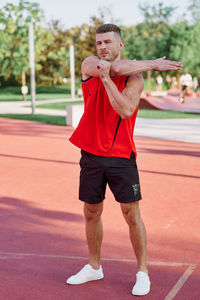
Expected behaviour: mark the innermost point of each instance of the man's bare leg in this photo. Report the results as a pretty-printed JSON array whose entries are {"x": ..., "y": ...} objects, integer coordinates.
[
  {"x": 137, "y": 232},
  {"x": 94, "y": 232},
  {"x": 182, "y": 95}
]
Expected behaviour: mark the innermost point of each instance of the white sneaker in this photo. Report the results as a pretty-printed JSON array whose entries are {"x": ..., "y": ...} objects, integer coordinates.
[
  {"x": 87, "y": 273},
  {"x": 142, "y": 285}
]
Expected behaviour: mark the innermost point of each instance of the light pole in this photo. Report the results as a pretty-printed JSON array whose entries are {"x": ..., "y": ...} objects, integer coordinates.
[
  {"x": 32, "y": 65},
  {"x": 72, "y": 73}
]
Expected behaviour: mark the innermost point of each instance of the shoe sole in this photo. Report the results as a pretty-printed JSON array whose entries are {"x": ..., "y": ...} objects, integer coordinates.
[
  {"x": 85, "y": 281},
  {"x": 137, "y": 294}
]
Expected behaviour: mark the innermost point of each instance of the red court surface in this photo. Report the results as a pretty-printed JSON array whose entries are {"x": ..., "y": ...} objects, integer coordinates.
[
  {"x": 170, "y": 102},
  {"x": 42, "y": 227}
]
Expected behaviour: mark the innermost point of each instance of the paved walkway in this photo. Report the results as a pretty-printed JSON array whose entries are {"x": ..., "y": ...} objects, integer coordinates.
[
  {"x": 187, "y": 130},
  {"x": 21, "y": 107}
]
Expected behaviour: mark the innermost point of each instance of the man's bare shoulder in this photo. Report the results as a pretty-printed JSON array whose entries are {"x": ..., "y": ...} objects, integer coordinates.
[
  {"x": 90, "y": 59},
  {"x": 135, "y": 79},
  {"x": 89, "y": 67}
]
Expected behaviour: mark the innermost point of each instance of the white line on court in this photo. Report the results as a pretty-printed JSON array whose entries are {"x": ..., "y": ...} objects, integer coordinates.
[
  {"x": 16, "y": 255},
  {"x": 176, "y": 288}
]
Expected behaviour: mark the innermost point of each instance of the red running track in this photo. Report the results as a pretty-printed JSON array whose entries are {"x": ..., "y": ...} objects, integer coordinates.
[{"x": 42, "y": 227}]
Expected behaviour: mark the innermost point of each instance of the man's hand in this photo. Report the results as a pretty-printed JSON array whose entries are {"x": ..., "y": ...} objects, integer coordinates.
[
  {"x": 162, "y": 64},
  {"x": 104, "y": 69}
]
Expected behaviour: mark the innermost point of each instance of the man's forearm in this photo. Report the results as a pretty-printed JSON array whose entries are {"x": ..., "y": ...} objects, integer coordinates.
[
  {"x": 120, "y": 102},
  {"x": 130, "y": 67}
]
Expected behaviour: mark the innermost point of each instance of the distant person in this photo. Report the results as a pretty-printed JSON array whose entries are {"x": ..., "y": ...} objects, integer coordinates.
[
  {"x": 24, "y": 90},
  {"x": 79, "y": 93},
  {"x": 174, "y": 83},
  {"x": 186, "y": 83},
  {"x": 196, "y": 83},
  {"x": 159, "y": 82},
  {"x": 111, "y": 89}
]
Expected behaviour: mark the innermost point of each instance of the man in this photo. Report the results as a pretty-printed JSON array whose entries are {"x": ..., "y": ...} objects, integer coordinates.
[
  {"x": 111, "y": 90},
  {"x": 186, "y": 83}
]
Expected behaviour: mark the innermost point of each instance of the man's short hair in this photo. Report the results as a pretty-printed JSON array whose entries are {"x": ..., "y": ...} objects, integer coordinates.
[{"x": 109, "y": 28}]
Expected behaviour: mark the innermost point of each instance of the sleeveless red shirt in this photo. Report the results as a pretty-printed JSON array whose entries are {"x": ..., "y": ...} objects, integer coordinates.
[{"x": 101, "y": 131}]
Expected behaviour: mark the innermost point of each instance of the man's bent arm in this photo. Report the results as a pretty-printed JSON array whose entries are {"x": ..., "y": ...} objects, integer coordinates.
[{"x": 124, "y": 103}]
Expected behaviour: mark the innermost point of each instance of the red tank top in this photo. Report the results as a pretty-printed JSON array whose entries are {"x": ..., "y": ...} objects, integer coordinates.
[{"x": 101, "y": 131}]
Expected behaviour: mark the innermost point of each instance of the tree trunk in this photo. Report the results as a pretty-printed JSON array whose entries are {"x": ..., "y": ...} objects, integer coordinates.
[
  {"x": 55, "y": 78},
  {"x": 149, "y": 81},
  {"x": 178, "y": 80},
  {"x": 23, "y": 77}
]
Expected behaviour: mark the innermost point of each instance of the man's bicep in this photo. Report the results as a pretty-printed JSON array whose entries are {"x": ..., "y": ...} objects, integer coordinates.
[
  {"x": 134, "y": 88},
  {"x": 89, "y": 67}
]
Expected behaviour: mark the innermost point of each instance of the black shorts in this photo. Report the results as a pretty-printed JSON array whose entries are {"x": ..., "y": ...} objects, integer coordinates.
[
  {"x": 121, "y": 174},
  {"x": 183, "y": 87}
]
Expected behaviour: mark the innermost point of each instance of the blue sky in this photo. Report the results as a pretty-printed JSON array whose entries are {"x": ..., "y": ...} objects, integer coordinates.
[{"x": 75, "y": 12}]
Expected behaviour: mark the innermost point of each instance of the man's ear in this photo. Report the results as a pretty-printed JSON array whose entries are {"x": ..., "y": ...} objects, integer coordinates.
[{"x": 121, "y": 45}]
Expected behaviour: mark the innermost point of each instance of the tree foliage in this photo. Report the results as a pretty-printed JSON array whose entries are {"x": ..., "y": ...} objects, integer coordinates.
[
  {"x": 156, "y": 37},
  {"x": 14, "y": 20}
]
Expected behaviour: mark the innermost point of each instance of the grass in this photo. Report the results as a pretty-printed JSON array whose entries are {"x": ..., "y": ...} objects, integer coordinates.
[
  {"x": 8, "y": 97},
  {"x": 42, "y": 93},
  {"x": 46, "y": 119},
  {"x": 165, "y": 114},
  {"x": 59, "y": 106}
]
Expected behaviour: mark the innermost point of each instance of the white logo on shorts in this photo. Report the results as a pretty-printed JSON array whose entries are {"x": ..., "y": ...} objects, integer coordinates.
[{"x": 136, "y": 189}]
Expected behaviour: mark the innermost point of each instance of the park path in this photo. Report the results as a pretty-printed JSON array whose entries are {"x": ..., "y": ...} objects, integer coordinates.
[
  {"x": 42, "y": 228},
  {"x": 24, "y": 107}
]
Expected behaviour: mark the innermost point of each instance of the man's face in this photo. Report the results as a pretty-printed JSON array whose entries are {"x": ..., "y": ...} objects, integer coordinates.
[{"x": 108, "y": 46}]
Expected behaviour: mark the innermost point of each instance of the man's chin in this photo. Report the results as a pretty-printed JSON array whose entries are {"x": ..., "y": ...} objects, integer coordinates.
[
  {"x": 107, "y": 58},
  {"x": 104, "y": 58}
]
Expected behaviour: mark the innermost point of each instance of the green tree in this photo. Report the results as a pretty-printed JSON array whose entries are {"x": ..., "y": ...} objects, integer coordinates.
[
  {"x": 54, "y": 57},
  {"x": 14, "y": 20},
  {"x": 184, "y": 46},
  {"x": 148, "y": 40},
  {"x": 156, "y": 14}
]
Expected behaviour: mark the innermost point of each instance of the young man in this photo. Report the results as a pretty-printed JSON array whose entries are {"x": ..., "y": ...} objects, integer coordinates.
[
  {"x": 111, "y": 89},
  {"x": 186, "y": 83}
]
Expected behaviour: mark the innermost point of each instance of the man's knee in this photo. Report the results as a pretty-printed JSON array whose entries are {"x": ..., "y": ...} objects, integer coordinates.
[
  {"x": 93, "y": 212},
  {"x": 131, "y": 213}
]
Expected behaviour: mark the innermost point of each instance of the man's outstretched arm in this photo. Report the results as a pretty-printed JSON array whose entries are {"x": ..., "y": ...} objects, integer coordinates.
[{"x": 90, "y": 66}]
